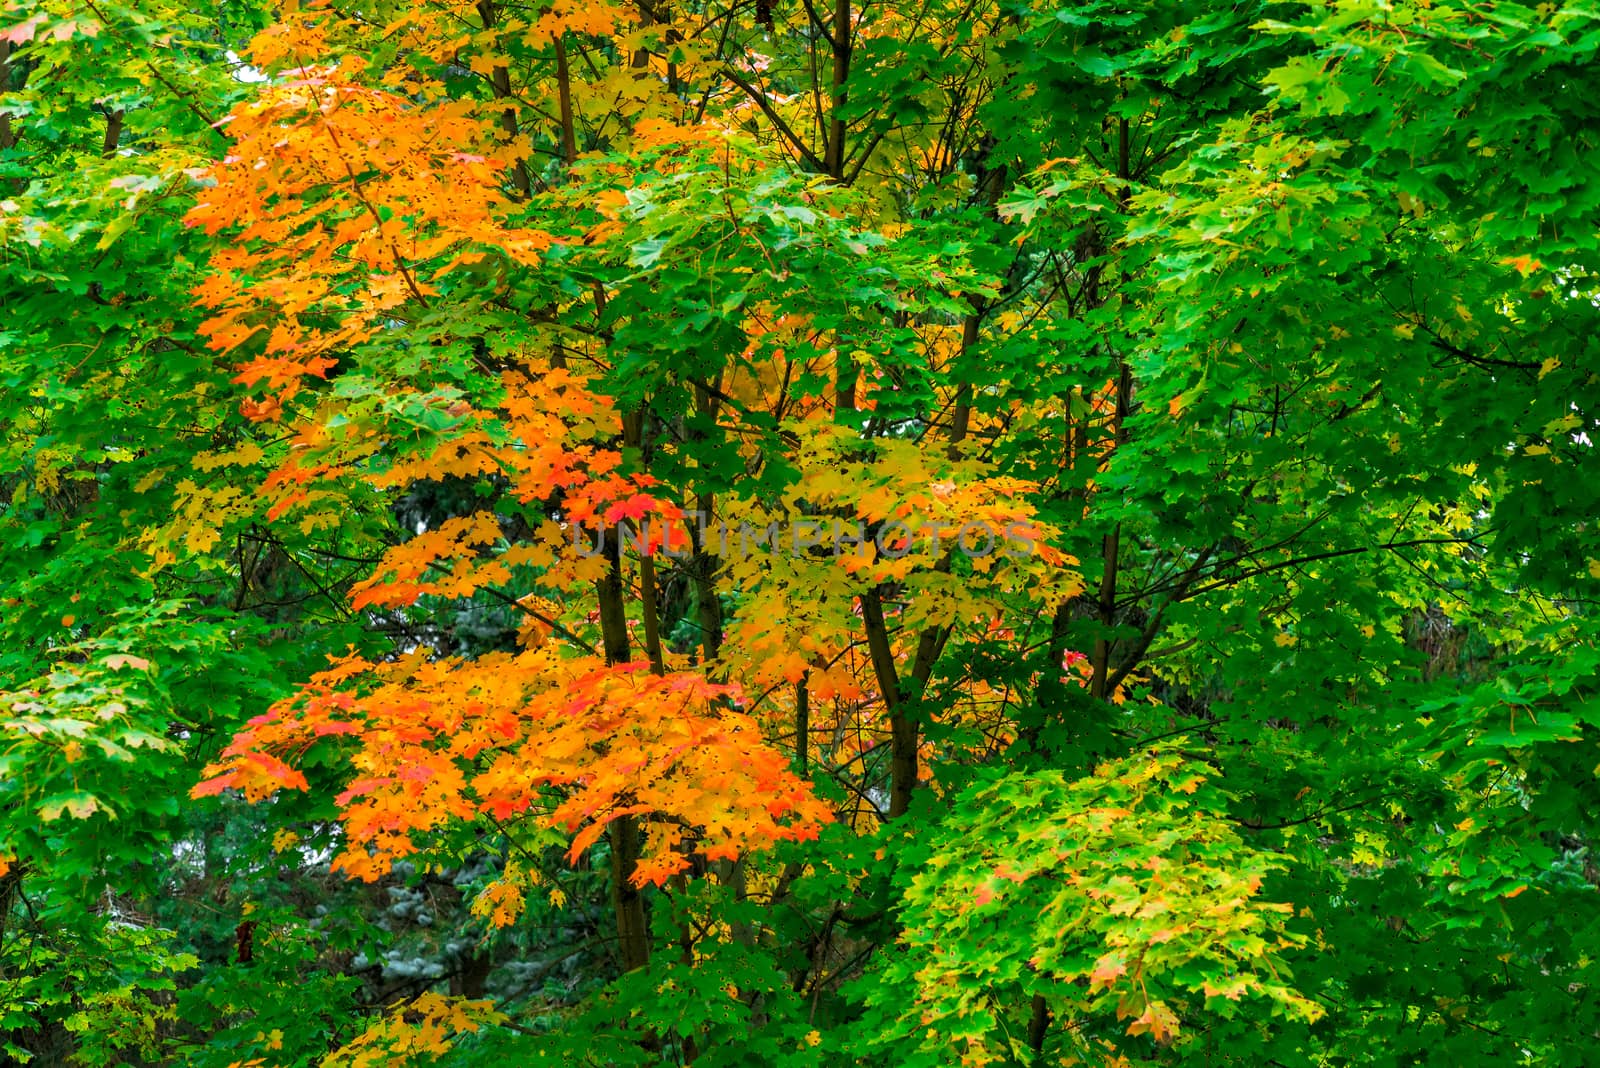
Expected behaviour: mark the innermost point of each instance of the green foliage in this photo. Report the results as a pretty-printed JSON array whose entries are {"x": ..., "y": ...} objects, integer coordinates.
[
  {"x": 1119, "y": 896},
  {"x": 1279, "y": 319}
]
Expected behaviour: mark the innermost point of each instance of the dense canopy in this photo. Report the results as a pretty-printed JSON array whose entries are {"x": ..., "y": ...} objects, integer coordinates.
[{"x": 892, "y": 532}]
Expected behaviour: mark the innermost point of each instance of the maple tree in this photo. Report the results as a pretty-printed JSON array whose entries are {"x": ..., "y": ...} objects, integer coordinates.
[{"x": 698, "y": 532}]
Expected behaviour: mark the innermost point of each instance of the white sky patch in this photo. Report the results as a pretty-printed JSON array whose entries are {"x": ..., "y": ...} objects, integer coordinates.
[{"x": 242, "y": 71}]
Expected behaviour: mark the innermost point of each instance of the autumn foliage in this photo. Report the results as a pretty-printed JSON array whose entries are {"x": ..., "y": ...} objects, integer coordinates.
[
  {"x": 794, "y": 534},
  {"x": 442, "y": 740}
]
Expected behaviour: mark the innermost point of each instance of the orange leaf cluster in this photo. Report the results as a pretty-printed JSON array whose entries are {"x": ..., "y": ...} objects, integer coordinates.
[
  {"x": 549, "y": 436},
  {"x": 571, "y": 741},
  {"x": 402, "y": 576},
  {"x": 348, "y": 203}
]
